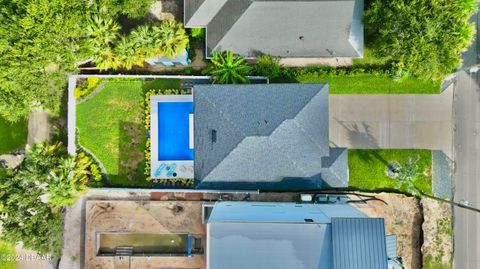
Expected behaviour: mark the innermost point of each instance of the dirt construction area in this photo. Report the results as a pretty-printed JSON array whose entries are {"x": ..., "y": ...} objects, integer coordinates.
[{"x": 168, "y": 217}]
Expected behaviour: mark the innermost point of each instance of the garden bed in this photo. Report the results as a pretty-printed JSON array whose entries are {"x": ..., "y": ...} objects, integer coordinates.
[{"x": 368, "y": 170}]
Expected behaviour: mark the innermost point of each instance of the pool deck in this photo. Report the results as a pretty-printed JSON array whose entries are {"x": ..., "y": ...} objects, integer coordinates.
[
  {"x": 142, "y": 217},
  {"x": 184, "y": 168}
]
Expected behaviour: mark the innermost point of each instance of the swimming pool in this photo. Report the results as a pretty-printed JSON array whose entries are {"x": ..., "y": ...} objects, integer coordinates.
[
  {"x": 175, "y": 131},
  {"x": 171, "y": 136}
]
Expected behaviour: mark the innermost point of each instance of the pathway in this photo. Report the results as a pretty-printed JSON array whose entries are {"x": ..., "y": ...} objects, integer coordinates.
[
  {"x": 422, "y": 121},
  {"x": 38, "y": 127}
]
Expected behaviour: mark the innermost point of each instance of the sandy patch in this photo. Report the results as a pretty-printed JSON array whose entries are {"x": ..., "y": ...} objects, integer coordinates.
[
  {"x": 437, "y": 234},
  {"x": 403, "y": 218}
]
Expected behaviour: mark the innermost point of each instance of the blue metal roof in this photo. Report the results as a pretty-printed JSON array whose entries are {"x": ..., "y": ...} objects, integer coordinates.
[
  {"x": 359, "y": 243},
  {"x": 267, "y": 212}
]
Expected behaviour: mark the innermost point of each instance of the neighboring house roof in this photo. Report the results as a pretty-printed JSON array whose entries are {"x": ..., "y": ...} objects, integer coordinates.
[
  {"x": 277, "y": 235},
  {"x": 265, "y": 136},
  {"x": 286, "y": 28},
  {"x": 359, "y": 243}
]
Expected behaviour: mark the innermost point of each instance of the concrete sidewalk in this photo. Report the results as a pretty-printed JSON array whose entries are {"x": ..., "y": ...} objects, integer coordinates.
[{"x": 408, "y": 121}]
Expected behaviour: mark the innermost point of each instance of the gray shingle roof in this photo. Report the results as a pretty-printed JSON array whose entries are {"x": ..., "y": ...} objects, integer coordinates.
[
  {"x": 359, "y": 243},
  {"x": 265, "y": 133},
  {"x": 286, "y": 28}
]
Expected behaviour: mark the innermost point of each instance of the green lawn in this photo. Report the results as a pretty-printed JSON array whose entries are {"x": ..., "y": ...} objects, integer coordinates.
[
  {"x": 373, "y": 84},
  {"x": 7, "y": 249},
  {"x": 368, "y": 83},
  {"x": 12, "y": 135},
  {"x": 111, "y": 126},
  {"x": 367, "y": 169}
]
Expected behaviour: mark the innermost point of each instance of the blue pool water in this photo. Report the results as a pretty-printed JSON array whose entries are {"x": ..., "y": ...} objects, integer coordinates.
[{"x": 173, "y": 131}]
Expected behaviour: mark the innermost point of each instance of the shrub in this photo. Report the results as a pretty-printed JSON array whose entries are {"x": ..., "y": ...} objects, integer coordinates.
[
  {"x": 156, "y": 92},
  {"x": 423, "y": 38},
  {"x": 197, "y": 34},
  {"x": 86, "y": 87},
  {"x": 135, "y": 8},
  {"x": 268, "y": 66},
  {"x": 89, "y": 167}
]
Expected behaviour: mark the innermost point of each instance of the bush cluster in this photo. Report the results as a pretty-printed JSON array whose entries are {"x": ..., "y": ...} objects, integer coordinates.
[
  {"x": 423, "y": 38},
  {"x": 41, "y": 42},
  {"x": 86, "y": 87},
  {"x": 33, "y": 195},
  {"x": 89, "y": 167},
  {"x": 112, "y": 50}
]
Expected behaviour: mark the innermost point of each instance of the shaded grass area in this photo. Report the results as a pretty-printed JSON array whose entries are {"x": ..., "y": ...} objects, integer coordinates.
[
  {"x": 367, "y": 169},
  {"x": 111, "y": 126},
  {"x": 374, "y": 79},
  {"x": 7, "y": 249},
  {"x": 12, "y": 135},
  {"x": 373, "y": 84}
]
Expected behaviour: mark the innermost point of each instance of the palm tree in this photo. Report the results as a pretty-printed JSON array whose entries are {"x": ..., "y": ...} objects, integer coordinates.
[
  {"x": 172, "y": 38},
  {"x": 144, "y": 38},
  {"x": 104, "y": 58},
  {"x": 127, "y": 54},
  {"x": 102, "y": 31},
  {"x": 228, "y": 69}
]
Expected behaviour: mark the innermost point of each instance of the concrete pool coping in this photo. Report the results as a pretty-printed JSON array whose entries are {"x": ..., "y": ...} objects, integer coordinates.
[{"x": 184, "y": 168}]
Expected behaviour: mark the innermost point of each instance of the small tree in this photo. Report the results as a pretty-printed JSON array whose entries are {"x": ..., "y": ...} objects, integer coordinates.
[
  {"x": 408, "y": 173},
  {"x": 144, "y": 39},
  {"x": 172, "y": 38},
  {"x": 228, "y": 69},
  {"x": 102, "y": 31},
  {"x": 127, "y": 53}
]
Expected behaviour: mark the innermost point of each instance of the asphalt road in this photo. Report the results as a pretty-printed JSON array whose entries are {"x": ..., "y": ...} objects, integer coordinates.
[{"x": 467, "y": 170}]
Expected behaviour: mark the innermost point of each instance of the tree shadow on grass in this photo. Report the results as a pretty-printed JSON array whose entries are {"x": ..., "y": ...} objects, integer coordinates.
[{"x": 131, "y": 162}]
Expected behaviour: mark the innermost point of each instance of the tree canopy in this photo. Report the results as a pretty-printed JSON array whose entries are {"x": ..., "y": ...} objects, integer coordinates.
[
  {"x": 423, "y": 38},
  {"x": 33, "y": 194},
  {"x": 41, "y": 41}
]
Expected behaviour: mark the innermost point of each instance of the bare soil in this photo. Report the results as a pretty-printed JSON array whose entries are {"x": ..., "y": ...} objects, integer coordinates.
[
  {"x": 403, "y": 217},
  {"x": 145, "y": 217},
  {"x": 167, "y": 10},
  {"x": 437, "y": 246}
]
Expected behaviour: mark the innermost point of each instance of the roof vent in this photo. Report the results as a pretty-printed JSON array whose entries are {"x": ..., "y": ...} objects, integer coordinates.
[
  {"x": 308, "y": 220},
  {"x": 214, "y": 135}
]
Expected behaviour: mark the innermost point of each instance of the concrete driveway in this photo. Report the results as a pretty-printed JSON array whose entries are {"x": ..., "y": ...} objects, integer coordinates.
[
  {"x": 392, "y": 121},
  {"x": 467, "y": 170}
]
